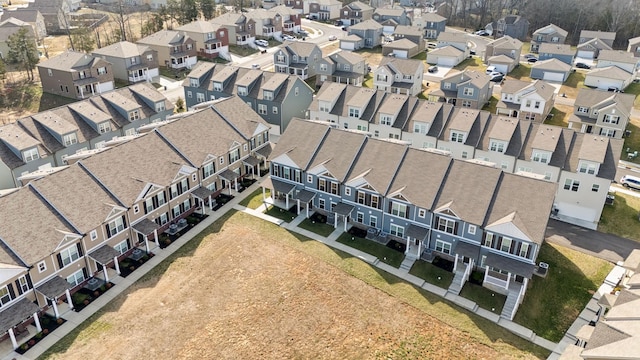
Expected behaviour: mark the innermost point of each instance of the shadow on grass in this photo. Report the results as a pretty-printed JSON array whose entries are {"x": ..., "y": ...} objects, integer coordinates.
[
  {"x": 632, "y": 142},
  {"x": 621, "y": 218},
  {"x": 551, "y": 304},
  {"x": 557, "y": 118}
]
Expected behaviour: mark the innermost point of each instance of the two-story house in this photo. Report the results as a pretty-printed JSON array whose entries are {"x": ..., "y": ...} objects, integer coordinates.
[
  {"x": 562, "y": 52},
  {"x": 399, "y": 76},
  {"x": 76, "y": 75},
  {"x": 55, "y": 14},
  {"x": 601, "y": 112},
  {"x": 267, "y": 24},
  {"x": 526, "y": 100},
  {"x": 407, "y": 42},
  {"x": 515, "y": 26},
  {"x": 634, "y": 46},
  {"x": 176, "y": 50},
  {"x": 399, "y": 16},
  {"x": 470, "y": 89},
  {"x": 458, "y": 40},
  {"x": 32, "y": 17},
  {"x": 291, "y": 19},
  {"x": 370, "y": 31},
  {"x": 130, "y": 62},
  {"x": 433, "y": 24},
  {"x": 344, "y": 67},
  {"x": 324, "y": 9},
  {"x": 503, "y": 53},
  {"x": 276, "y": 97},
  {"x": 299, "y": 6},
  {"x": 212, "y": 40},
  {"x": 547, "y": 34},
  {"x": 622, "y": 59},
  {"x": 352, "y": 107},
  {"x": 297, "y": 58},
  {"x": 241, "y": 30},
  {"x": 355, "y": 12},
  {"x": 591, "y": 42},
  {"x": 10, "y": 27}
]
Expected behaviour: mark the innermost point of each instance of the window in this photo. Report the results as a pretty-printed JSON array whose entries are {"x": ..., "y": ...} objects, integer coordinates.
[
  {"x": 335, "y": 188},
  {"x": 385, "y": 119},
  {"x": 70, "y": 139},
  {"x": 541, "y": 157},
  {"x": 422, "y": 213},
  {"x": 398, "y": 209},
  {"x": 221, "y": 160},
  {"x": 234, "y": 155},
  {"x": 374, "y": 201},
  {"x": 242, "y": 91},
  {"x": 115, "y": 226},
  {"x": 595, "y": 187},
  {"x": 23, "y": 284},
  {"x": 262, "y": 109},
  {"x": 217, "y": 86},
  {"x": 309, "y": 178},
  {"x": 347, "y": 191},
  {"x": 49, "y": 72},
  {"x": 587, "y": 168},
  {"x": 274, "y": 109},
  {"x": 136, "y": 208},
  {"x": 420, "y": 128},
  {"x": 160, "y": 106},
  {"x": 472, "y": 229},
  {"x": 457, "y": 136},
  {"x": 506, "y": 244},
  {"x": 189, "y": 94},
  {"x": 104, "y": 127},
  {"x": 446, "y": 85},
  {"x": 69, "y": 255},
  {"x": 42, "y": 267},
  {"x": 93, "y": 234},
  {"x": 465, "y": 155},
  {"x": 608, "y": 132},
  {"x": 373, "y": 221},
  {"x": 527, "y": 103},
  {"x": 447, "y": 225},
  {"x": 466, "y": 103},
  {"x": 488, "y": 240},
  {"x": 267, "y": 95},
  {"x": 5, "y": 296},
  {"x": 354, "y": 113},
  {"x": 321, "y": 203},
  {"x": 200, "y": 97},
  {"x": 189, "y": 46},
  {"x": 497, "y": 146},
  {"x": 323, "y": 67},
  {"x": 611, "y": 119},
  {"x": 324, "y": 106},
  {"x": 122, "y": 247},
  {"x": 443, "y": 247},
  {"x": 572, "y": 185},
  {"x": 30, "y": 155},
  {"x": 396, "y": 230},
  {"x": 536, "y": 105},
  {"x": 102, "y": 70},
  {"x": 322, "y": 184},
  {"x": 76, "y": 278},
  {"x": 524, "y": 250},
  {"x": 467, "y": 91},
  {"x": 360, "y": 217},
  {"x": 582, "y": 109},
  {"x": 149, "y": 57}
]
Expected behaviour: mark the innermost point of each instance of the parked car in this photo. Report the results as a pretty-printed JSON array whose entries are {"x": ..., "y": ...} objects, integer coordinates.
[
  {"x": 582, "y": 66},
  {"x": 344, "y": 28},
  {"x": 614, "y": 89},
  {"x": 288, "y": 37},
  {"x": 432, "y": 45},
  {"x": 482, "y": 33},
  {"x": 472, "y": 52},
  {"x": 630, "y": 182},
  {"x": 255, "y": 66},
  {"x": 261, "y": 42},
  {"x": 490, "y": 69},
  {"x": 532, "y": 60},
  {"x": 497, "y": 78},
  {"x": 333, "y": 38},
  {"x": 338, "y": 23},
  {"x": 432, "y": 69},
  {"x": 495, "y": 73},
  {"x": 529, "y": 56}
]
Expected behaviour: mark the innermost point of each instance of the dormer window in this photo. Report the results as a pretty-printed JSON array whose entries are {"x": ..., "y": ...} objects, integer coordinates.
[
  {"x": 160, "y": 106},
  {"x": 540, "y": 156},
  {"x": 386, "y": 119},
  {"x": 267, "y": 95},
  {"x": 497, "y": 146},
  {"x": 420, "y": 128},
  {"x": 134, "y": 61},
  {"x": 354, "y": 113},
  {"x": 134, "y": 115},
  {"x": 611, "y": 119},
  {"x": 583, "y": 110},
  {"x": 70, "y": 139},
  {"x": 104, "y": 127},
  {"x": 242, "y": 90},
  {"x": 30, "y": 155},
  {"x": 457, "y": 136},
  {"x": 217, "y": 86},
  {"x": 586, "y": 167},
  {"x": 194, "y": 82},
  {"x": 324, "y": 106}
]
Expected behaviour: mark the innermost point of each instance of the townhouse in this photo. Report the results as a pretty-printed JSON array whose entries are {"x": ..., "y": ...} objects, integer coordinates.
[
  {"x": 276, "y": 97},
  {"x": 510, "y": 143},
  {"x": 297, "y": 58},
  {"x": 526, "y": 100},
  {"x": 130, "y": 62},
  {"x": 175, "y": 49},
  {"x": 355, "y": 12},
  {"x": 470, "y": 89},
  {"x": 212, "y": 40},
  {"x": 399, "y": 76},
  {"x": 344, "y": 67},
  {"x": 76, "y": 75},
  {"x": 241, "y": 30},
  {"x": 42, "y": 142},
  {"x": 418, "y": 198},
  {"x": 547, "y": 34},
  {"x": 601, "y": 112},
  {"x": 115, "y": 204}
]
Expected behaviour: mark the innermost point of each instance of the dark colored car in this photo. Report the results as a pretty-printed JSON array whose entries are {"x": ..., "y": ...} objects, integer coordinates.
[
  {"x": 532, "y": 60},
  {"x": 582, "y": 66},
  {"x": 497, "y": 78},
  {"x": 433, "y": 69}
]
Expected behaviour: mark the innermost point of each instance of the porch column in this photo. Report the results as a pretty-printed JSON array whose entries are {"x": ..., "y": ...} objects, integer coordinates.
[
  {"x": 420, "y": 247},
  {"x": 455, "y": 264},
  {"x": 14, "y": 343},
  {"x": 210, "y": 205},
  {"x": 106, "y": 274},
  {"x": 69, "y": 298},
  {"x": 235, "y": 185},
  {"x": 264, "y": 194},
  {"x": 286, "y": 200},
  {"x": 55, "y": 307},
  {"x": 36, "y": 319},
  {"x": 524, "y": 285},
  {"x": 508, "y": 280},
  {"x": 115, "y": 262},
  {"x": 335, "y": 220},
  {"x": 298, "y": 203},
  {"x": 81, "y": 92},
  {"x": 406, "y": 250},
  {"x": 345, "y": 223},
  {"x": 146, "y": 243},
  {"x": 307, "y": 210},
  {"x": 155, "y": 235},
  {"x": 486, "y": 273},
  {"x": 93, "y": 89},
  {"x": 229, "y": 186}
]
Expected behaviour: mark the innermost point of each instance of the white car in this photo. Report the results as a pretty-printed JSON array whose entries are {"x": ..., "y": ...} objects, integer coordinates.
[
  {"x": 261, "y": 42},
  {"x": 333, "y": 38},
  {"x": 495, "y": 73},
  {"x": 288, "y": 37}
]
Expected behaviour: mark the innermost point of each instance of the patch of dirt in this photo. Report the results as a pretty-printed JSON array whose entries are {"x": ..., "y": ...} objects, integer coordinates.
[{"x": 244, "y": 294}]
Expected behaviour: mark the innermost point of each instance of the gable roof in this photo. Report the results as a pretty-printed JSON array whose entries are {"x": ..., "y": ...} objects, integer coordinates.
[
  {"x": 25, "y": 14},
  {"x": 301, "y": 48},
  {"x": 453, "y": 37},
  {"x": 401, "y": 44},
  {"x": 366, "y": 25},
  {"x": 367, "y": 165},
  {"x": 612, "y": 72},
  {"x": 477, "y": 78},
  {"x": 404, "y": 66},
  {"x": 446, "y": 51},
  {"x": 552, "y": 64},
  {"x": 591, "y": 34},
  {"x": 300, "y": 149},
  {"x": 506, "y": 42},
  {"x": 595, "y": 43},
  {"x": 348, "y": 56},
  {"x": 558, "y": 49},
  {"x": 199, "y": 26},
  {"x": 338, "y": 151},
  {"x": 433, "y": 17},
  {"x": 591, "y": 98},
  {"x": 165, "y": 38},
  {"x": 389, "y": 12},
  {"x": 408, "y": 30},
  {"x": 122, "y": 49},
  {"x": 357, "y": 5},
  {"x": 550, "y": 29},
  {"x": 617, "y": 56},
  {"x": 69, "y": 60}
]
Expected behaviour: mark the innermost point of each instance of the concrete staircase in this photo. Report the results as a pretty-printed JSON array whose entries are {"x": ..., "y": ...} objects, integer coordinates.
[
  {"x": 509, "y": 305},
  {"x": 456, "y": 284},
  {"x": 407, "y": 263}
]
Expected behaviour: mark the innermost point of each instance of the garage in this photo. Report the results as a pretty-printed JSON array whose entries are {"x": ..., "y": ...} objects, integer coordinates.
[
  {"x": 347, "y": 45},
  {"x": 105, "y": 86},
  {"x": 503, "y": 68},
  {"x": 553, "y": 76},
  {"x": 446, "y": 61},
  {"x": 583, "y": 214},
  {"x": 585, "y": 54},
  {"x": 402, "y": 54}
]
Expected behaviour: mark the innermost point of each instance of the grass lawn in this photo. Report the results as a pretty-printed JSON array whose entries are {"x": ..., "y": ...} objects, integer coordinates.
[
  {"x": 474, "y": 63},
  {"x": 311, "y": 81},
  {"x": 24, "y": 98},
  {"x": 621, "y": 218},
  {"x": 383, "y": 253},
  {"x": 521, "y": 72},
  {"x": 174, "y": 74},
  {"x": 279, "y": 213},
  {"x": 243, "y": 50},
  {"x": 368, "y": 80},
  {"x": 634, "y": 88},
  {"x": 485, "y": 298},
  {"x": 491, "y": 106},
  {"x": 254, "y": 199},
  {"x": 561, "y": 114},
  {"x": 551, "y": 304},
  {"x": 422, "y": 55},
  {"x": 633, "y": 140},
  {"x": 432, "y": 274},
  {"x": 322, "y": 229},
  {"x": 574, "y": 83},
  {"x": 279, "y": 293}
]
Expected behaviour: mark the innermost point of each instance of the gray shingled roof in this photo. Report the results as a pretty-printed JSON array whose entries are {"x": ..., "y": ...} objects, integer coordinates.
[
  {"x": 298, "y": 148},
  {"x": 338, "y": 151},
  {"x": 122, "y": 49},
  {"x": 558, "y": 49},
  {"x": 367, "y": 166},
  {"x": 551, "y": 28}
]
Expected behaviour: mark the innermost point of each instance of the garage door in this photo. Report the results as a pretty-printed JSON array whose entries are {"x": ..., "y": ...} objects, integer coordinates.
[
  {"x": 602, "y": 83},
  {"x": 577, "y": 212},
  {"x": 105, "y": 86},
  {"x": 585, "y": 54},
  {"x": 501, "y": 68},
  {"x": 446, "y": 61},
  {"x": 347, "y": 45},
  {"x": 553, "y": 76},
  {"x": 402, "y": 54}
]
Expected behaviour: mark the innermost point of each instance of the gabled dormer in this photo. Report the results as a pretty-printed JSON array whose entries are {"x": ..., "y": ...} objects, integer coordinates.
[
  {"x": 63, "y": 131},
  {"x": 281, "y": 57},
  {"x": 20, "y": 143},
  {"x": 128, "y": 108},
  {"x": 446, "y": 220}
]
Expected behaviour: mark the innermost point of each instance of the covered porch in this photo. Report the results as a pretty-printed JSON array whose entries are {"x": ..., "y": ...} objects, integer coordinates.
[
  {"x": 144, "y": 228},
  {"x": 501, "y": 272},
  {"x": 263, "y": 154},
  {"x": 416, "y": 237},
  {"x": 15, "y": 321},
  {"x": 252, "y": 165},
  {"x": 203, "y": 197},
  {"x": 304, "y": 198},
  {"x": 342, "y": 212},
  {"x": 281, "y": 192},
  {"x": 229, "y": 177},
  {"x": 103, "y": 256},
  {"x": 53, "y": 290}
]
